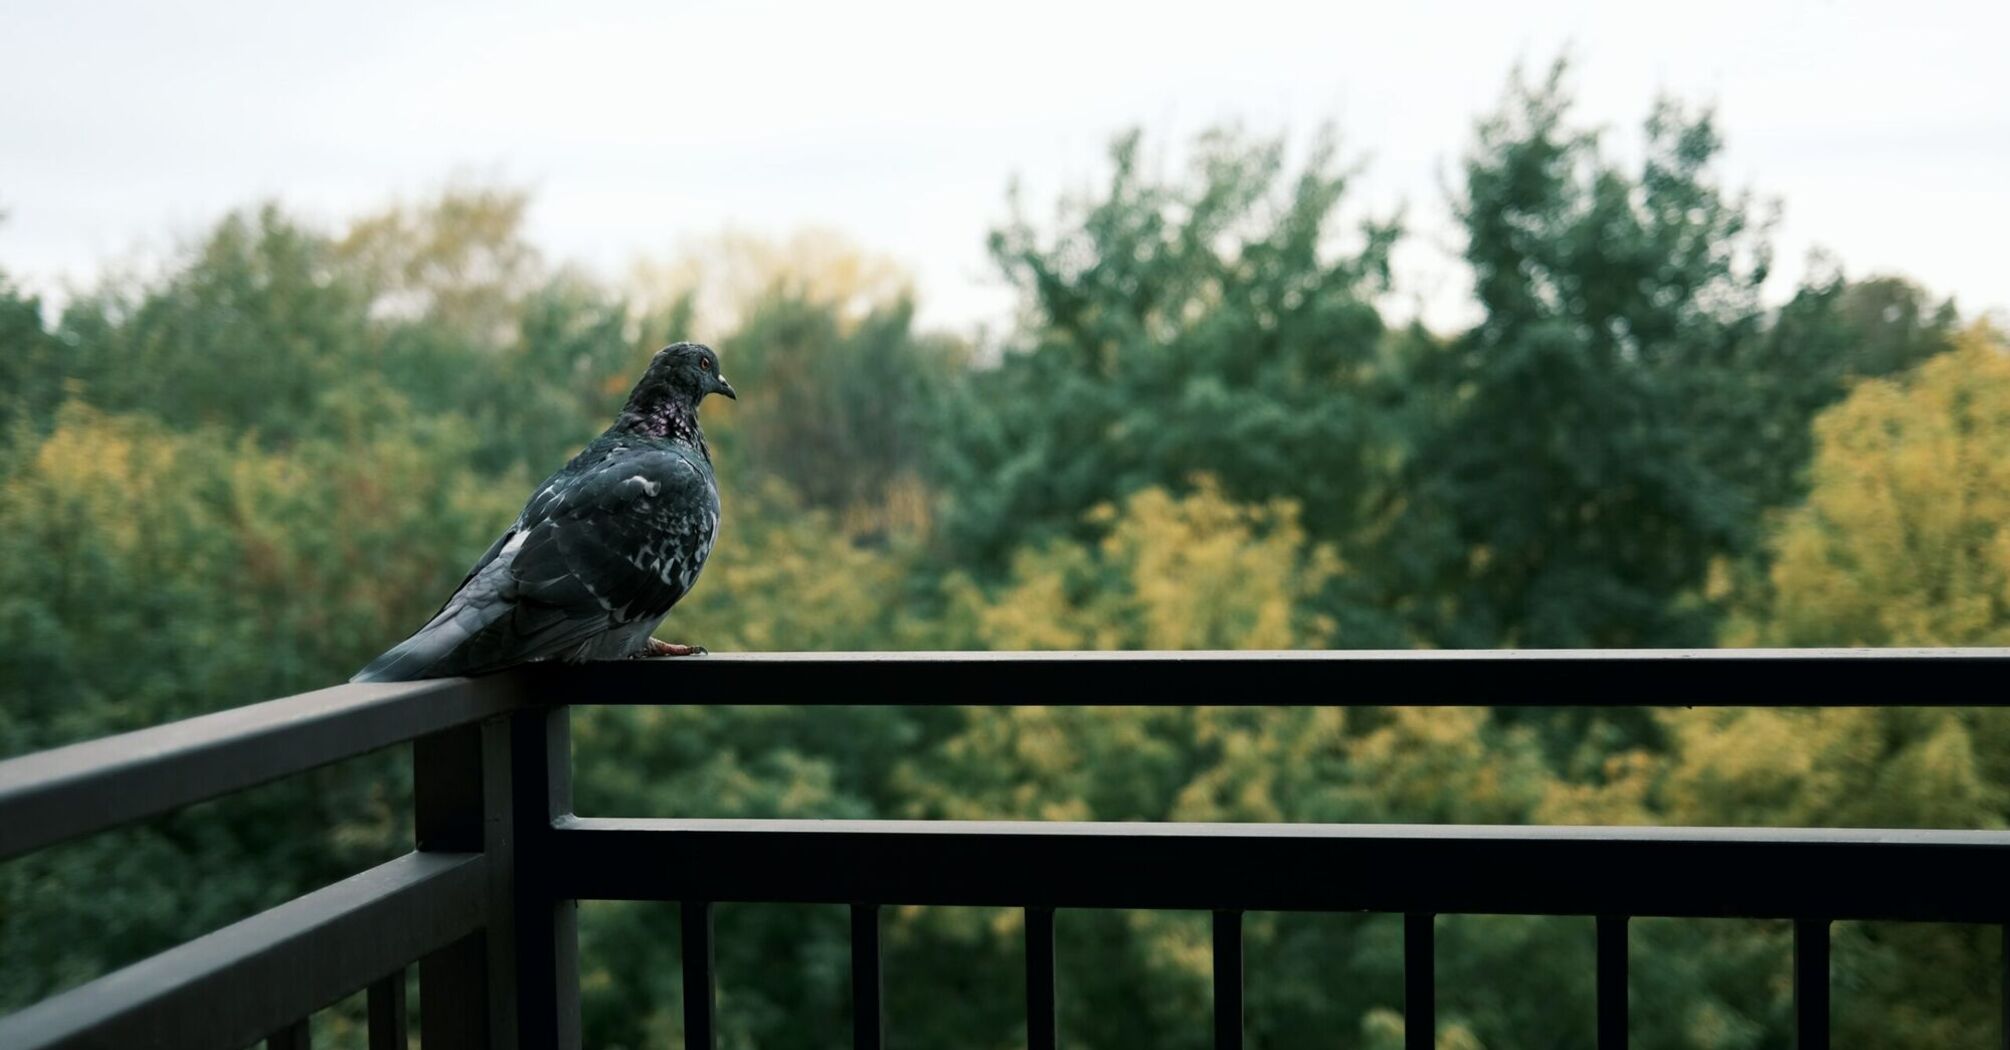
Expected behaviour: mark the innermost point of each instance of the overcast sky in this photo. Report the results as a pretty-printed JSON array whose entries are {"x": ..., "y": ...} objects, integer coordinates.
[{"x": 1884, "y": 127}]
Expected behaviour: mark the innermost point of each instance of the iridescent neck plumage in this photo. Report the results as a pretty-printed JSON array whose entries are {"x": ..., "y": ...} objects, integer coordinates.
[{"x": 667, "y": 419}]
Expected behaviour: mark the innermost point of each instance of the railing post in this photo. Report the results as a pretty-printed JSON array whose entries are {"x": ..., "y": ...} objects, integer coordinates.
[
  {"x": 496, "y": 788},
  {"x": 544, "y": 965},
  {"x": 449, "y": 814}
]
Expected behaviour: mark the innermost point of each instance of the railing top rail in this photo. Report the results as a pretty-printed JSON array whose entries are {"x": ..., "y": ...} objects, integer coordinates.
[
  {"x": 72, "y": 791},
  {"x": 1368, "y": 678}
]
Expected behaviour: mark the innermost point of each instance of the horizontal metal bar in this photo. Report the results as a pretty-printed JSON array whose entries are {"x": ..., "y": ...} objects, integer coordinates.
[
  {"x": 1954, "y": 876},
  {"x": 252, "y": 978},
  {"x": 72, "y": 791},
  {"x": 1606, "y": 678}
]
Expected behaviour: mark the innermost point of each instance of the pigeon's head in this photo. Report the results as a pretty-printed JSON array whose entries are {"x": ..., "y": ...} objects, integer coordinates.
[
  {"x": 683, "y": 372},
  {"x": 665, "y": 402}
]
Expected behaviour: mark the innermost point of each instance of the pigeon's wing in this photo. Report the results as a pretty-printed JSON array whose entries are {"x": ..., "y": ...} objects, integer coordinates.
[
  {"x": 616, "y": 541},
  {"x": 623, "y": 543}
]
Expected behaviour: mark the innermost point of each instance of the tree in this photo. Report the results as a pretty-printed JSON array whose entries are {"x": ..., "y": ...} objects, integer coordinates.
[
  {"x": 843, "y": 408},
  {"x": 31, "y": 360},
  {"x": 148, "y": 575},
  {"x": 1905, "y": 535},
  {"x": 1206, "y": 324},
  {"x": 1832, "y": 334},
  {"x": 458, "y": 258},
  {"x": 248, "y": 333},
  {"x": 1192, "y": 572},
  {"x": 723, "y": 277},
  {"x": 845, "y": 391},
  {"x": 1557, "y": 494}
]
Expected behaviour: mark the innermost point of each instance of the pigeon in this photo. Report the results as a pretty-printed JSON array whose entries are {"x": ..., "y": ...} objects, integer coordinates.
[{"x": 600, "y": 553}]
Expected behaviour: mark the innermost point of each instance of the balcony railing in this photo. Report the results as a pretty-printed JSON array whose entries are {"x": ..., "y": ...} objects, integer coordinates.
[{"x": 485, "y": 906}]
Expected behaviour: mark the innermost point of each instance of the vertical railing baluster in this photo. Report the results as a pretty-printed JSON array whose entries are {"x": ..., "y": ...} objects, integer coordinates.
[
  {"x": 1811, "y": 984},
  {"x": 1040, "y": 1020},
  {"x": 1228, "y": 980},
  {"x": 296, "y": 1036},
  {"x": 868, "y": 987},
  {"x": 1420, "y": 982},
  {"x": 388, "y": 1028},
  {"x": 699, "y": 988},
  {"x": 1612, "y": 982}
]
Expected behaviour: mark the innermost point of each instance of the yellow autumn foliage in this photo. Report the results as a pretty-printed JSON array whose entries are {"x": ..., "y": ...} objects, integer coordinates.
[
  {"x": 1197, "y": 571},
  {"x": 1905, "y": 536}
]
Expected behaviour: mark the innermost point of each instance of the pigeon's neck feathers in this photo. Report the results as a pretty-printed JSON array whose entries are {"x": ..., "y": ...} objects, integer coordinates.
[{"x": 670, "y": 418}]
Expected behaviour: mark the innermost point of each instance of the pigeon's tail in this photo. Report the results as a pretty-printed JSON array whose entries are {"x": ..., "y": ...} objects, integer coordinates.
[
  {"x": 420, "y": 656},
  {"x": 439, "y": 649}
]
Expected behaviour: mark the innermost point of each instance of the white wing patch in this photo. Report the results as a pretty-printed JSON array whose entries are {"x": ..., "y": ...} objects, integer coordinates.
[{"x": 648, "y": 487}]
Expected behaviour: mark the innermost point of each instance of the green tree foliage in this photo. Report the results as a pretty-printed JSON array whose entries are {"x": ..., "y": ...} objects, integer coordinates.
[
  {"x": 1898, "y": 543},
  {"x": 148, "y": 575},
  {"x": 1627, "y": 411},
  {"x": 1558, "y": 495},
  {"x": 850, "y": 392},
  {"x": 248, "y": 335},
  {"x": 1831, "y": 335},
  {"x": 187, "y": 553},
  {"x": 846, "y": 405},
  {"x": 466, "y": 321},
  {"x": 1173, "y": 326},
  {"x": 31, "y": 364}
]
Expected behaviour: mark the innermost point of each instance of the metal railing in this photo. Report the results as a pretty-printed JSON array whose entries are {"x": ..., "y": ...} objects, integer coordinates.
[{"x": 485, "y": 906}]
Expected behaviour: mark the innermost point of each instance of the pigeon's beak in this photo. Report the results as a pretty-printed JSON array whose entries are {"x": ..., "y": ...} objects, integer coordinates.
[{"x": 724, "y": 387}]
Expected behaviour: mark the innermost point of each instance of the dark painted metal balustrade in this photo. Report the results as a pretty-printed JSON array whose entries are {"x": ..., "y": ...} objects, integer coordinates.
[{"x": 484, "y": 907}]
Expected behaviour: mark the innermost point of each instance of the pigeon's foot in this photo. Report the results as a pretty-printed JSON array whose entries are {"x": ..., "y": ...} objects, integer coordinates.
[{"x": 658, "y": 647}]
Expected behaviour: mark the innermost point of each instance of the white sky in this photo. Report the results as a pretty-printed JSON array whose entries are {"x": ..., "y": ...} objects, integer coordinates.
[{"x": 126, "y": 126}]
